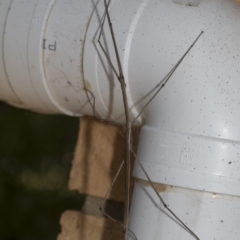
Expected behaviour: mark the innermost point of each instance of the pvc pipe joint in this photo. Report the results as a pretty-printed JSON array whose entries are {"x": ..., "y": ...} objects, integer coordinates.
[{"x": 51, "y": 62}]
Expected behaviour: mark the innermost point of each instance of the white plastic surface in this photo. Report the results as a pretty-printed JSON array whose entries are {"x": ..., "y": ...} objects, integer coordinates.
[
  {"x": 104, "y": 83},
  {"x": 18, "y": 47},
  {"x": 51, "y": 54},
  {"x": 188, "y": 160},
  {"x": 63, "y": 49},
  {"x": 191, "y": 136},
  {"x": 41, "y": 54},
  {"x": 191, "y": 126},
  {"x": 210, "y": 216},
  {"x": 7, "y": 93}
]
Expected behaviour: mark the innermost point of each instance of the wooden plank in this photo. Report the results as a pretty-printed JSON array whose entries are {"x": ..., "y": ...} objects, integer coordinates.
[
  {"x": 98, "y": 155},
  {"x": 78, "y": 226},
  {"x": 237, "y": 1}
]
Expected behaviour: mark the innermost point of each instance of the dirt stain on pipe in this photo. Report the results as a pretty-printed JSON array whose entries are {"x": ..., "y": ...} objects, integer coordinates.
[
  {"x": 189, "y": 3},
  {"x": 87, "y": 85},
  {"x": 237, "y": 1},
  {"x": 159, "y": 187}
]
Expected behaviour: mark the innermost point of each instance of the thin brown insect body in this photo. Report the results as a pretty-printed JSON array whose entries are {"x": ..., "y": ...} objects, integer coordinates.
[{"x": 128, "y": 128}]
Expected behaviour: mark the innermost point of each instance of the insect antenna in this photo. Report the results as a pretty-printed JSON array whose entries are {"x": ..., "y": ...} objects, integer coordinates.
[{"x": 166, "y": 79}]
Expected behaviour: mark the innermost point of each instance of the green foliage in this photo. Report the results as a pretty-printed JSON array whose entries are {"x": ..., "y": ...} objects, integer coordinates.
[{"x": 35, "y": 160}]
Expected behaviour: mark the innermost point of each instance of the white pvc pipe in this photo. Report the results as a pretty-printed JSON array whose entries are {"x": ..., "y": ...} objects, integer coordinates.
[
  {"x": 190, "y": 138},
  {"x": 7, "y": 93}
]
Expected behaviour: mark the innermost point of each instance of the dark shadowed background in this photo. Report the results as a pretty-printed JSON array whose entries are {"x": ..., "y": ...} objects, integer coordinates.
[{"x": 35, "y": 160}]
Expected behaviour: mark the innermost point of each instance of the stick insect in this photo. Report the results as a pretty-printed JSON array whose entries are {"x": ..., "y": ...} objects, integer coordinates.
[{"x": 129, "y": 124}]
